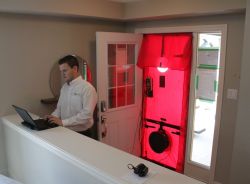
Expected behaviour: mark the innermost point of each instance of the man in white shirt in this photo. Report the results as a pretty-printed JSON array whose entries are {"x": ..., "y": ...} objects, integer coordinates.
[{"x": 77, "y": 99}]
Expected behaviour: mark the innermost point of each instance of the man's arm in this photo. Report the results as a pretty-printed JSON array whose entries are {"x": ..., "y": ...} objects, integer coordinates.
[
  {"x": 57, "y": 111},
  {"x": 55, "y": 116}
]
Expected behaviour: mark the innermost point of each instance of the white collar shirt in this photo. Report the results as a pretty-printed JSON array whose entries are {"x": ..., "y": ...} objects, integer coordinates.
[{"x": 76, "y": 105}]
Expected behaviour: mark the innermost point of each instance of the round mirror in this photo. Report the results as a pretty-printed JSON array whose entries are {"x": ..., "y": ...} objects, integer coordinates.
[{"x": 56, "y": 80}]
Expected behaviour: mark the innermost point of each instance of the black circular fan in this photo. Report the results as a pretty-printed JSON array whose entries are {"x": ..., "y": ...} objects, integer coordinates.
[{"x": 159, "y": 140}]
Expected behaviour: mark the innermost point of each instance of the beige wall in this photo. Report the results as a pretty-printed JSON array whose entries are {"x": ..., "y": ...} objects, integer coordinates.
[
  {"x": 235, "y": 25},
  {"x": 76, "y": 8},
  {"x": 30, "y": 46},
  {"x": 170, "y": 8},
  {"x": 241, "y": 154},
  {"x": 3, "y": 164},
  {"x": 123, "y": 11}
]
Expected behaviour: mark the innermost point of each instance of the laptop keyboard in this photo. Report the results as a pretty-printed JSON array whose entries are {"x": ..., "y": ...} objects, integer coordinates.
[{"x": 52, "y": 125}]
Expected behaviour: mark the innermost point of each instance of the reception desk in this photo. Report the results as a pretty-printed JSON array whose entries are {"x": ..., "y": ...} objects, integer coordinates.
[{"x": 61, "y": 156}]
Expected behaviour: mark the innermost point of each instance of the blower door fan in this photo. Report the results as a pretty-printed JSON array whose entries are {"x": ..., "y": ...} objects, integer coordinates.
[{"x": 159, "y": 141}]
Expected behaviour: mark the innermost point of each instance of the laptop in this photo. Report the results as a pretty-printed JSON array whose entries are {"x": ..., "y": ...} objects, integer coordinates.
[{"x": 38, "y": 124}]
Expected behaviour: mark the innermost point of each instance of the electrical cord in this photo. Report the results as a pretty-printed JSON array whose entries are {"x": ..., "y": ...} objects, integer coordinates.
[{"x": 140, "y": 118}]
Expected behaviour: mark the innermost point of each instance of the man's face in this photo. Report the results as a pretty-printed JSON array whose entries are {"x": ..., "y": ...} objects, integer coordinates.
[{"x": 68, "y": 73}]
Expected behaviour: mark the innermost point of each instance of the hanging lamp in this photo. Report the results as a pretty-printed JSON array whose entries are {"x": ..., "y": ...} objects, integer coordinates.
[{"x": 162, "y": 60}]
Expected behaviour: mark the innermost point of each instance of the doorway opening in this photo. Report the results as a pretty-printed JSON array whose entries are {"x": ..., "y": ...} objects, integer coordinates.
[
  {"x": 205, "y": 104},
  {"x": 120, "y": 126},
  {"x": 192, "y": 167}
]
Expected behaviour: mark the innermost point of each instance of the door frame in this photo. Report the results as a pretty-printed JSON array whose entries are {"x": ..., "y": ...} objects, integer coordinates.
[{"x": 199, "y": 29}]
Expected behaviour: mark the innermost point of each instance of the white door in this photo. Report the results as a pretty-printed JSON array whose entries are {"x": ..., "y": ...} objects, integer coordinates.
[{"x": 119, "y": 90}]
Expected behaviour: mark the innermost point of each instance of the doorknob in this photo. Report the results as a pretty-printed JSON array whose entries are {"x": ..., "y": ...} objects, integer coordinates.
[
  {"x": 103, "y": 118},
  {"x": 104, "y": 126},
  {"x": 103, "y": 106}
]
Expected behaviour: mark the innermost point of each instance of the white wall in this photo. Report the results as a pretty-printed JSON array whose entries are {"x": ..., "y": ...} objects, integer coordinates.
[
  {"x": 3, "y": 164},
  {"x": 241, "y": 156}
]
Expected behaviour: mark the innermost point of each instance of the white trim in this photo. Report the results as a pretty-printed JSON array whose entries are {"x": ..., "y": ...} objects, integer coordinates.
[
  {"x": 219, "y": 102},
  {"x": 179, "y": 29},
  {"x": 194, "y": 29},
  {"x": 191, "y": 105}
]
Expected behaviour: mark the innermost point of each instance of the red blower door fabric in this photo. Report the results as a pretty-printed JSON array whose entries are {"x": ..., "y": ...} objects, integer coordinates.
[{"x": 165, "y": 102}]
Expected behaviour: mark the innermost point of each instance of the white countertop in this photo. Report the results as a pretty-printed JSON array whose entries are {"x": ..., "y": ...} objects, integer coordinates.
[{"x": 98, "y": 159}]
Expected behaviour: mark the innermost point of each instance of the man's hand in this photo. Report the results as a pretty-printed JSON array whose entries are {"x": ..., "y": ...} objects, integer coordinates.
[{"x": 54, "y": 119}]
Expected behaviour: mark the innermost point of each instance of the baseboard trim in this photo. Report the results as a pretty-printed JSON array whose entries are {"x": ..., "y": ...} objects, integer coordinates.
[{"x": 4, "y": 172}]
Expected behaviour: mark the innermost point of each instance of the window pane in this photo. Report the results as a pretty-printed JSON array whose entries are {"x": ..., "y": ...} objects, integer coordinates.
[
  {"x": 112, "y": 76},
  {"x": 209, "y": 40},
  {"x": 121, "y": 76},
  {"x": 209, "y": 50},
  {"x": 111, "y": 54},
  {"x": 121, "y": 54},
  {"x": 121, "y": 96},
  {"x": 112, "y": 98},
  {"x": 130, "y": 74},
  {"x": 130, "y": 95}
]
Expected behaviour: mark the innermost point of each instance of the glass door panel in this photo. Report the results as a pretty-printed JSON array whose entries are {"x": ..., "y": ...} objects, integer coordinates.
[
  {"x": 112, "y": 98},
  {"x": 206, "y": 81},
  {"x": 130, "y": 74},
  {"x": 111, "y": 54},
  {"x": 121, "y": 75},
  {"x": 112, "y": 76},
  {"x": 130, "y": 95},
  {"x": 121, "y": 97}
]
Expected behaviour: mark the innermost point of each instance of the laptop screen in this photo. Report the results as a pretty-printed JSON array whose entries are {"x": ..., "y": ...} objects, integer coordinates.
[{"x": 24, "y": 115}]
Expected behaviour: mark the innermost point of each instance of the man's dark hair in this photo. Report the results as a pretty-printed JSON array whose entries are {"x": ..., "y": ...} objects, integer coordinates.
[{"x": 70, "y": 60}]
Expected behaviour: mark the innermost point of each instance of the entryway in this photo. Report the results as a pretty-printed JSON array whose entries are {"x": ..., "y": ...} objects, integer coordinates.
[{"x": 123, "y": 132}]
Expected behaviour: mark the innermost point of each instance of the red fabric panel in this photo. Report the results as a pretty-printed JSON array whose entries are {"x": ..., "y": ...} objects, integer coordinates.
[
  {"x": 150, "y": 51},
  {"x": 176, "y": 50},
  {"x": 169, "y": 102},
  {"x": 89, "y": 76}
]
